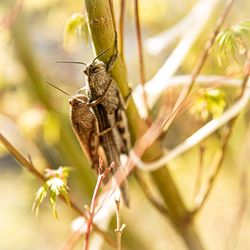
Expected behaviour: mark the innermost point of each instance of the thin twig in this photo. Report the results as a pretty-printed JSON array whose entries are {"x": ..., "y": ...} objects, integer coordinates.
[
  {"x": 102, "y": 174},
  {"x": 140, "y": 52},
  {"x": 121, "y": 28},
  {"x": 155, "y": 203},
  {"x": 31, "y": 168},
  {"x": 119, "y": 227},
  {"x": 21, "y": 159},
  {"x": 202, "y": 197}
]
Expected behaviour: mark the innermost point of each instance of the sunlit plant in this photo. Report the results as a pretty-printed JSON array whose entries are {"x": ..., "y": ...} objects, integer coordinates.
[
  {"x": 75, "y": 27},
  {"x": 210, "y": 105},
  {"x": 233, "y": 42},
  {"x": 55, "y": 186}
]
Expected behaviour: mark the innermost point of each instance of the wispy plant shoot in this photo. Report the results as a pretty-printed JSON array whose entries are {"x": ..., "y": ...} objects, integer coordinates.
[
  {"x": 55, "y": 186},
  {"x": 234, "y": 42}
]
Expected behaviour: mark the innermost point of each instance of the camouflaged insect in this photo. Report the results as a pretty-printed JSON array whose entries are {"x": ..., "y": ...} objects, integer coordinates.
[
  {"x": 109, "y": 112},
  {"x": 84, "y": 126},
  {"x": 102, "y": 87}
]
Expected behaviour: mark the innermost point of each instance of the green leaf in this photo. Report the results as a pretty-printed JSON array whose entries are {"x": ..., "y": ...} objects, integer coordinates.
[
  {"x": 52, "y": 201},
  {"x": 75, "y": 27},
  {"x": 233, "y": 42},
  {"x": 39, "y": 197},
  {"x": 212, "y": 104},
  {"x": 55, "y": 186}
]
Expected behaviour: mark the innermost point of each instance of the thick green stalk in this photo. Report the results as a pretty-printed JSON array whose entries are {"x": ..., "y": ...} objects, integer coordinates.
[{"x": 102, "y": 31}]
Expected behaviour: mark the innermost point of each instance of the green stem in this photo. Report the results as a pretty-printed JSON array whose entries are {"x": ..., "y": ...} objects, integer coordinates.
[{"x": 102, "y": 32}]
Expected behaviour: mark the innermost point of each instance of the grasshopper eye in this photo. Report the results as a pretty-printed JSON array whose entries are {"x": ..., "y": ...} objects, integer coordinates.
[{"x": 95, "y": 70}]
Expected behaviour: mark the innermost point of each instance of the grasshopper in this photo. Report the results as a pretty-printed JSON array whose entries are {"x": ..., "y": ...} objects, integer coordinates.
[
  {"x": 103, "y": 89},
  {"x": 109, "y": 109},
  {"x": 84, "y": 126}
]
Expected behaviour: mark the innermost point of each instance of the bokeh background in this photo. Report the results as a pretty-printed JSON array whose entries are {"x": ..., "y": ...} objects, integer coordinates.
[{"x": 34, "y": 117}]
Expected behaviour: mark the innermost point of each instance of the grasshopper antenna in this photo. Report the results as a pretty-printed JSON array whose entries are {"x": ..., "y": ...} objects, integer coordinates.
[
  {"x": 102, "y": 53},
  {"x": 72, "y": 62},
  {"x": 54, "y": 86}
]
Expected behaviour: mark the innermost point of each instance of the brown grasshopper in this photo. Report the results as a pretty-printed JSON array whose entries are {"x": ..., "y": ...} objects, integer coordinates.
[
  {"x": 84, "y": 126},
  {"x": 103, "y": 88},
  {"x": 109, "y": 111}
]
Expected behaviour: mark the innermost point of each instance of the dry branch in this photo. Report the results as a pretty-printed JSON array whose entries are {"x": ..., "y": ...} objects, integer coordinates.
[{"x": 91, "y": 213}]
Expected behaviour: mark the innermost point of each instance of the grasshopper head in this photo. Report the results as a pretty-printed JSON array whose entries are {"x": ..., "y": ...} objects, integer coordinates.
[{"x": 95, "y": 67}]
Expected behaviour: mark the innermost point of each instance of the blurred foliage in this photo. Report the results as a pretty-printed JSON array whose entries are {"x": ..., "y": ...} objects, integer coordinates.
[
  {"x": 234, "y": 42},
  {"x": 51, "y": 129},
  {"x": 75, "y": 27},
  {"x": 210, "y": 105}
]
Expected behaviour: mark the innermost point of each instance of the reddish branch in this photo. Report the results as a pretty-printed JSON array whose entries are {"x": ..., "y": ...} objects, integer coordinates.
[
  {"x": 140, "y": 51},
  {"x": 102, "y": 174}
]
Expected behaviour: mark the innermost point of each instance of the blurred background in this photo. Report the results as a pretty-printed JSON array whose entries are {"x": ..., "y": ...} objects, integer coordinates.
[{"x": 34, "y": 118}]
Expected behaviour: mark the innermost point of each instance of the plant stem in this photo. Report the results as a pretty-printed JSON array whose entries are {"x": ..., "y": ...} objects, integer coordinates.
[
  {"x": 100, "y": 178},
  {"x": 140, "y": 53},
  {"x": 119, "y": 228}
]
